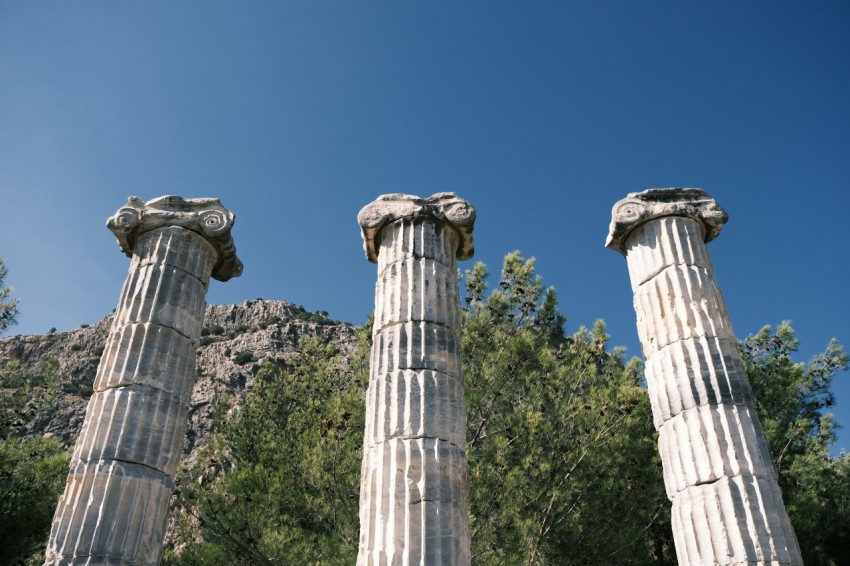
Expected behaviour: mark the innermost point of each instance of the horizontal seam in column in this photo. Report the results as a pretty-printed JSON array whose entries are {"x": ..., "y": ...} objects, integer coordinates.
[
  {"x": 148, "y": 386},
  {"x": 152, "y": 323},
  {"x": 102, "y": 556},
  {"x": 389, "y": 372},
  {"x": 674, "y": 342},
  {"x": 402, "y": 260},
  {"x": 416, "y": 437},
  {"x": 726, "y": 404},
  {"x": 189, "y": 273},
  {"x": 399, "y": 323}
]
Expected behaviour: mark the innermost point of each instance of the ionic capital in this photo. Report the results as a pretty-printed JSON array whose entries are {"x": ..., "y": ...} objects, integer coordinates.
[
  {"x": 647, "y": 205},
  {"x": 205, "y": 216},
  {"x": 448, "y": 207}
]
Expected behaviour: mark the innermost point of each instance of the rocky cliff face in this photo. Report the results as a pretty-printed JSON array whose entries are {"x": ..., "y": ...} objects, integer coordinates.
[{"x": 236, "y": 340}]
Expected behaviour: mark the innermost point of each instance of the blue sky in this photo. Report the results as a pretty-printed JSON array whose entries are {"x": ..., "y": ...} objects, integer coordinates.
[{"x": 542, "y": 114}]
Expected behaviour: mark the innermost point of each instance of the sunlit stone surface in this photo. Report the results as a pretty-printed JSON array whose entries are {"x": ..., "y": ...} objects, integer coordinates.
[
  {"x": 413, "y": 493},
  {"x": 727, "y": 506},
  {"x": 114, "y": 507}
]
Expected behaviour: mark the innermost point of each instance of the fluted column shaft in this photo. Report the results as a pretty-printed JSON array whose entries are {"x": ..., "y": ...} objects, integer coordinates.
[
  {"x": 718, "y": 471},
  {"x": 115, "y": 504},
  {"x": 413, "y": 497}
]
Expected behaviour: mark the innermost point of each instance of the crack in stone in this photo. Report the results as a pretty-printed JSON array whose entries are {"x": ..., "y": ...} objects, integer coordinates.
[
  {"x": 156, "y": 323},
  {"x": 130, "y": 462},
  {"x": 664, "y": 268},
  {"x": 755, "y": 477},
  {"x": 167, "y": 392},
  {"x": 427, "y": 500},
  {"x": 661, "y": 270}
]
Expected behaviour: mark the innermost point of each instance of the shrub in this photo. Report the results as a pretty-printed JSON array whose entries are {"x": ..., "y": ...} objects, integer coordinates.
[{"x": 244, "y": 357}]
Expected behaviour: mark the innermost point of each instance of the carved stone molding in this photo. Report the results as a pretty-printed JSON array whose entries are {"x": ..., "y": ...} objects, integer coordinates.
[
  {"x": 205, "y": 216},
  {"x": 641, "y": 207},
  {"x": 448, "y": 207}
]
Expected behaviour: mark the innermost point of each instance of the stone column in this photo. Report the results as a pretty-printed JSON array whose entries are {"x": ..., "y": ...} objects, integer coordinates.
[
  {"x": 413, "y": 491},
  {"x": 727, "y": 505},
  {"x": 115, "y": 504}
]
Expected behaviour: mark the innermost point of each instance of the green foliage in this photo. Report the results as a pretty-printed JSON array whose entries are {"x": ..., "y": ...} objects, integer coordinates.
[
  {"x": 8, "y": 307},
  {"x": 321, "y": 317},
  {"x": 279, "y": 483},
  {"x": 32, "y": 475},
  {"x": 792, "y": 400},
  {"x": 561, "y": 452},
  {"x": 32, "y": 472},
  {"x": 244, "y": 357}
]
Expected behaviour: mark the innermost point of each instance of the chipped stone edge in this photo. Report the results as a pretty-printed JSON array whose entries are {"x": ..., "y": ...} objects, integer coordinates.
[
  {"x": 637, "y": 208},
  {"x": 205, "y": 216}
]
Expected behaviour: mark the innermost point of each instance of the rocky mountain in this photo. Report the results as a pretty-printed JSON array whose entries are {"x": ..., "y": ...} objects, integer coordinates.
[{"x": 236, "y": 340}]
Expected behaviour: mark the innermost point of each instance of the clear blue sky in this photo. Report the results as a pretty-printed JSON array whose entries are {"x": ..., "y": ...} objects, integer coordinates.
[{"x": 542, "y": 114}]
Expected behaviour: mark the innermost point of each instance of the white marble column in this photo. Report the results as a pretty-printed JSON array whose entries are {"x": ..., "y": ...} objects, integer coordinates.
[
  {"x": 413, "y": 493},
  {"x": 115, "y": 504},
  {"x": 727, "y": 505}
]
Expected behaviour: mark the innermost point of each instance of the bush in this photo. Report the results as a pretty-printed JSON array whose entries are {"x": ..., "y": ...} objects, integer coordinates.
[
  {"x": 244, "y": 357},
  {"x": 32, "y": 475}
]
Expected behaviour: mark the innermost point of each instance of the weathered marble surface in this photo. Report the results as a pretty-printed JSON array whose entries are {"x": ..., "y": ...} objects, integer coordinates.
[
  {"x": 413, "y": 495},
  {"x": 115, "y": 503},
  {"x": 719, "y": 475}
]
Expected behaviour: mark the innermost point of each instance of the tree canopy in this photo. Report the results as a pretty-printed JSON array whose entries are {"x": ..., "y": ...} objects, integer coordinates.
[
  {"x": 792, "y": 400},
  {"x": 8, "y": 307},
  {"x": 32, "y": 471}
]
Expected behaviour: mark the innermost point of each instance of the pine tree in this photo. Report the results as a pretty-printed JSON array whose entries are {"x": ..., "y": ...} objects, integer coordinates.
[
  {"x": 280, "y": 481},
  {"x": 8, "y": 307},
  {"x": 560, "y": 442},
  {"x": 792, "y": 400},
  {"x": 32, "y": 471}
]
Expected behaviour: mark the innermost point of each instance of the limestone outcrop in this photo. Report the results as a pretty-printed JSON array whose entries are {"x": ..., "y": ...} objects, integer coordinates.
[
  {"x": 269, "y": 330},
  {"x": 413, "y": 494},
  {"x": 115, "y": 504},
  {"x": 718, "y": 472}
]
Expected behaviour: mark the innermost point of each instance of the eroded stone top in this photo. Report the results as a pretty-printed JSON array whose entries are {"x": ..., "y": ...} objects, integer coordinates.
[
  {"x": 449, "y": 207},
  {"x": 641, "y": 207},
  {"x": 206, "y": 216}
]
